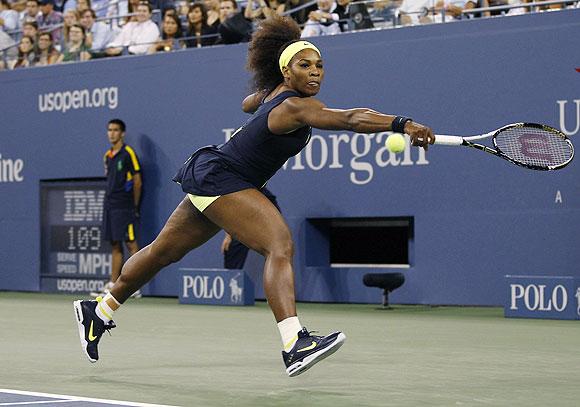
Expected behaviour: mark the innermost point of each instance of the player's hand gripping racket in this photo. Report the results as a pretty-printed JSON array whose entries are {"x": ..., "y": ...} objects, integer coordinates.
[{"x": 530, "y": 145}]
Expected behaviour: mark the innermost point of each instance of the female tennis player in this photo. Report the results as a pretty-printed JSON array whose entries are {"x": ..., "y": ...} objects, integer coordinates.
[{"x": 222, "y": 185}]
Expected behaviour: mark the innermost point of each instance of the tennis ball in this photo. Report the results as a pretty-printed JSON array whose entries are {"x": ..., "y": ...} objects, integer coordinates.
[{"x": 395, "y": 143}]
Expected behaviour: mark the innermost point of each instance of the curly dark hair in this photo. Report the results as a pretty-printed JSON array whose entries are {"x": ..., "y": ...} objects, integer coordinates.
[{"x": 264, "y": 51}]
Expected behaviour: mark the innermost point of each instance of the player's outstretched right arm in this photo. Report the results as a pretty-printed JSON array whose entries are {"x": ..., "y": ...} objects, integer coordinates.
[{"x": 294, "y": 113}]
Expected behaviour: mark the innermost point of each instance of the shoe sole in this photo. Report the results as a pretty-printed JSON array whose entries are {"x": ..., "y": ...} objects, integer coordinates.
[
  {"x": 78, "y": 311},
  {"x": 311, "y": 360}
]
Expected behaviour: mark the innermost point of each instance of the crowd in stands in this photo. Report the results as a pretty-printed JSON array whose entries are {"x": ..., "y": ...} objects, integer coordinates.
[{"x": 46, "y": 32}]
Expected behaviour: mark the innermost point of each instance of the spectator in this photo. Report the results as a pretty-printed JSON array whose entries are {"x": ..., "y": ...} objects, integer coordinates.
[
  {"x": 98, "y": 33},
  {"x": 383, "y": 13},
  {"x": 132, "y": 6},
  {"x": 171, "y": 35},
  {"x": 470, "y": 4},
  {"x": 259, "y": 9},
  {"x": 122, "y": 8},
  {"x": 136, "y": 35},
  {"x": 7, "y": 44},
  {"x": 64, "y": 5},
  {"x": 182, "y": 11},
  {"x": 122, "y": 199},
  {"x": 414, "y": 12},
  {"x": 519, "y": 10},
  {"x": 25, "y": 53},
  {"x": 227, "y": 9},
  {"x": 19, "y": 6},
  {"x": 198, "y": 28},
  {"x": 168, "y": 11},
  {"x": 443, "y": 11},
  {"x": 32, "y": 12},
  {"x": 8, "y": 17},
  {"x": 50, "y": 18},
  {"x": 70, "y": 17},
  {"x": 46, "y": 54},
  {"x": 233, "y": 28},
  {"x": 213, "y": 12},
  {"x": 342, "y": 9},
  {"x": 182, "y": 8},
  {"x": 30, "y": 29},
  {"x": 83, "y": 5},
  {"x": 75, "y": 49},
  {"x": 300, "y": 16},
  {"x": 162, "y": 5},
  {"x": 453, "y": 10},
  {"x": 323, "y": 21}
]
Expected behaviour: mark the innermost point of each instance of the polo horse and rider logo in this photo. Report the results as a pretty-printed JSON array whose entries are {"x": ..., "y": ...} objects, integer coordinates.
[{"x": 235, "y": 290}]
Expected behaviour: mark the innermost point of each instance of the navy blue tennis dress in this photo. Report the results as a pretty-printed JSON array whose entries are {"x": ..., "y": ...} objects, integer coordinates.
[{"x": 247, "y": 160}]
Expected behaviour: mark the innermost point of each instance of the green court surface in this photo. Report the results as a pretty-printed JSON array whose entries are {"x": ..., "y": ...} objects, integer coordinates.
[{"x": 184, "y": 355}]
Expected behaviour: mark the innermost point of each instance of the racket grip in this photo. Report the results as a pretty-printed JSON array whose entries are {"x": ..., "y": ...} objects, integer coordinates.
[{"x": 448, "y": 140}]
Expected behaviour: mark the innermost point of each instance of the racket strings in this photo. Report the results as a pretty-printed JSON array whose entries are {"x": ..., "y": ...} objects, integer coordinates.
[{"x": 534, "y": 146}]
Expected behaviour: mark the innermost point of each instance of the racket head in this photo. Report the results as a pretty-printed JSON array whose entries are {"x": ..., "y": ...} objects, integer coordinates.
[{"x": 534, "y": 146}]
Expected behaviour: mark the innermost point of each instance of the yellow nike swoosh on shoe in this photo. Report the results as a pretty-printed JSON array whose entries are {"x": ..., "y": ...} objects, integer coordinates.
[
  {"x": 91, "y": 336},
  {"x": 303, "y": 349}
]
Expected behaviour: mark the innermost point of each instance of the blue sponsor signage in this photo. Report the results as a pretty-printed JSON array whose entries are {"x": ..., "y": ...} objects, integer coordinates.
[
  {"x": 72, "y": 285},
  {"x": 215, "y": 287},
  {"x": 542, "y": 297},
  {"x": 74, "y": 256}
]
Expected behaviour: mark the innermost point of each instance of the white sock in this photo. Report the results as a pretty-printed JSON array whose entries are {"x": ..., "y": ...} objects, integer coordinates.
[
  {"x": 106, "y": 307},
  {"x": 289, "y": 329}
]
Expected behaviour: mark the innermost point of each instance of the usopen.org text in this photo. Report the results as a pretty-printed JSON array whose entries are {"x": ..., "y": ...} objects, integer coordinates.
[{"x": 79, "y": 99}]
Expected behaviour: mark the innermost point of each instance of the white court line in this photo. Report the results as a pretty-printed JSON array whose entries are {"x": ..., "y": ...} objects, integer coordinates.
[
  {"x": 76, "y": 398},
  {"x": 20, "y": 403}
]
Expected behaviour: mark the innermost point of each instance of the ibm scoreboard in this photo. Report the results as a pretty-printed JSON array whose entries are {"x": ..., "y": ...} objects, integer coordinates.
[{"x": 74, "y": 257}]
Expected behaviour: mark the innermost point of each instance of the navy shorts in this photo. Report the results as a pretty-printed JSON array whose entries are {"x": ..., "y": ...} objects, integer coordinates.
[
  {"x": 120, "y": 225},
  {"x": 206, "y": 174}
]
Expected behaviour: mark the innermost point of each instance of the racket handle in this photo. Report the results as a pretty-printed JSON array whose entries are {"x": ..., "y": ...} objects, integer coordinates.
[{"x": 448, "y": 140}]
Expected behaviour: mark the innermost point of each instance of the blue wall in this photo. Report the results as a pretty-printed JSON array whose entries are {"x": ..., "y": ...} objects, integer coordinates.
[{"x": 477, "y": 218}]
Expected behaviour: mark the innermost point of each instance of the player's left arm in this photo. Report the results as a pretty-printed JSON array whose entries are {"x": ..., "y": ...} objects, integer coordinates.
[{"x": 253, "y": 101}]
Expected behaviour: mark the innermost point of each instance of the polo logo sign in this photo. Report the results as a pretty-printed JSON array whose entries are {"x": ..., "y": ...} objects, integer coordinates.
[
  {"x": 203, "y": 287},
  {"x": 542, "y": 297},
  {"x": 208, "y": 286},
  {"x": 534, "y": 297},
  {"x": 235, "y": 290}
]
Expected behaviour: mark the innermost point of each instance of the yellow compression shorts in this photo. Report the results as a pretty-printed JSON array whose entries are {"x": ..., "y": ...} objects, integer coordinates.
[{"x": 202, "y": 202}]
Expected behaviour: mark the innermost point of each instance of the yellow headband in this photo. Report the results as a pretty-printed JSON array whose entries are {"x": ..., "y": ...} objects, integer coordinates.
[{"x": 293, "y": 49}]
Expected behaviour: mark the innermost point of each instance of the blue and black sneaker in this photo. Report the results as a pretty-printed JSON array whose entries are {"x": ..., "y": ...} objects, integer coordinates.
[
  {"x": 91, "y": 327},
  {"x": 309, "y": 350}
]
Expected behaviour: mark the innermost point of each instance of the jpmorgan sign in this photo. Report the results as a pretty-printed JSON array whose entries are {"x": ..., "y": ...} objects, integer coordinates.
[
  {"x": 215, "y": 287},
  {"x": 359, "y": 155},
  {"x": 543, "y": 297}
]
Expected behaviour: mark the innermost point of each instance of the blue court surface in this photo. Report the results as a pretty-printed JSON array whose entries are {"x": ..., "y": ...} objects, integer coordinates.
[{"x": 27, "y": 398}]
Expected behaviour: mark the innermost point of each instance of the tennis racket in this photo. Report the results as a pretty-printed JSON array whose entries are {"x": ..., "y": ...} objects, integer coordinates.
[{"x": 530, "y": 145}]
